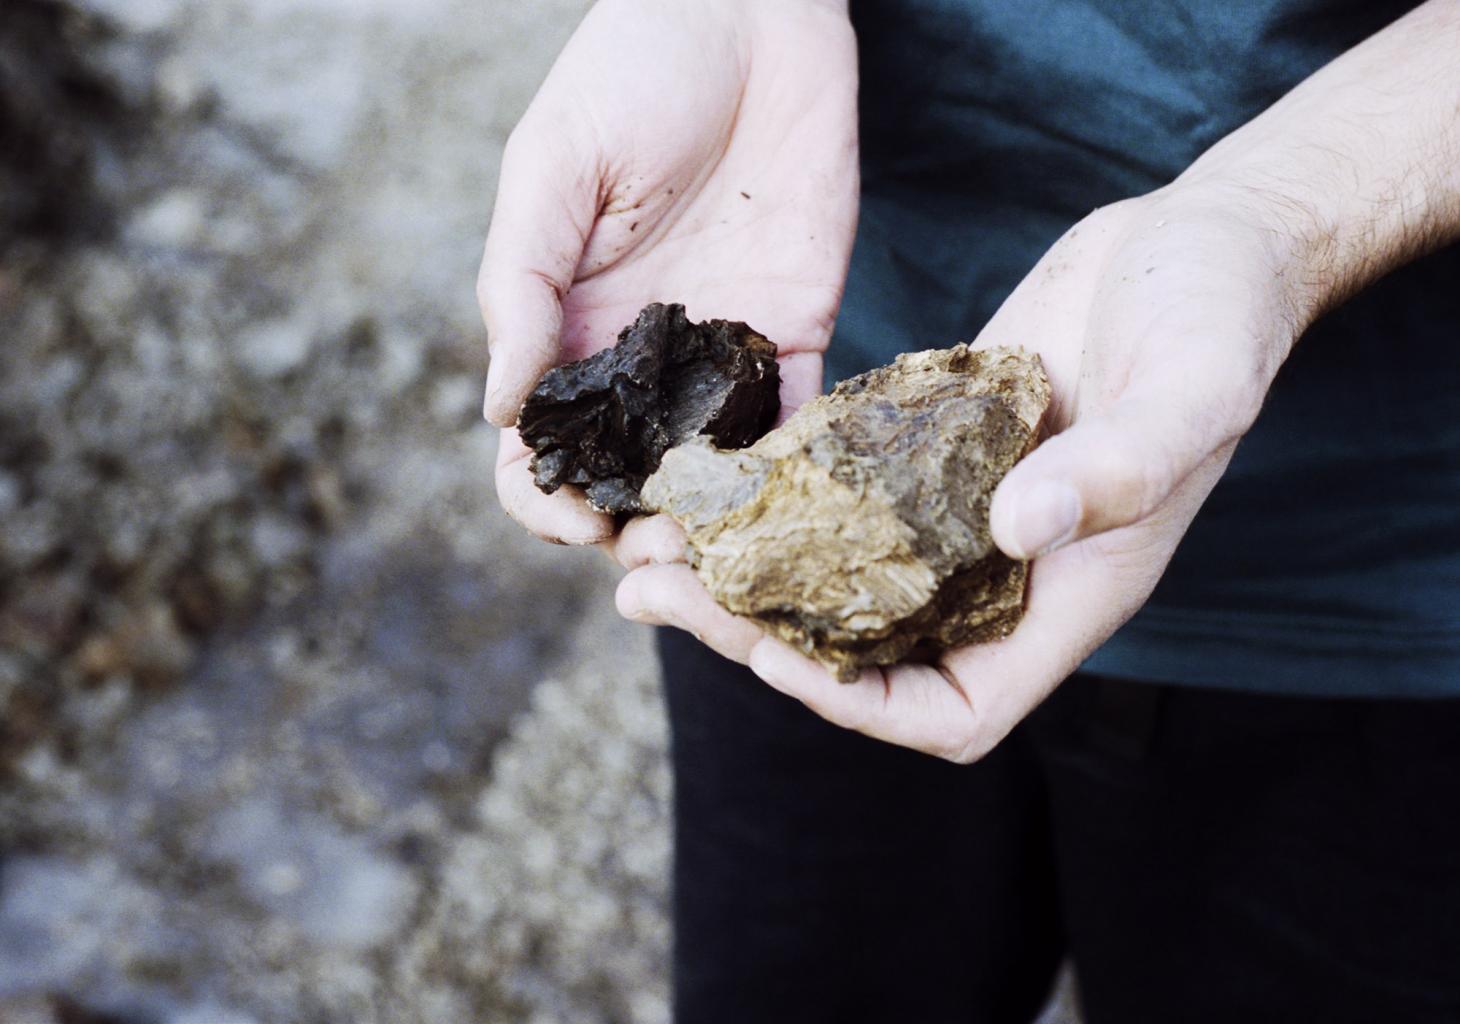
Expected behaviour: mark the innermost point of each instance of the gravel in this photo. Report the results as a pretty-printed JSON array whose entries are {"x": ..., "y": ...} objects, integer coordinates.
[{"x": 296, "y": 725}]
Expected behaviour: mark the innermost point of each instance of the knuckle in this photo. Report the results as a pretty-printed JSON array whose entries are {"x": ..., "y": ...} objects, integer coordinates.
[
  {"x": 954, "y": 741},
  {"x": 856, "y": 716},
  {"x": 1102, "y": 218},
  {"x": 1234, "y": 412},
  {"x": 1160, "y": 472},
  {"x": 969, "y": 744},
  {"x": 1131, "y": 482},
  {"x": 964, "y": 750}
]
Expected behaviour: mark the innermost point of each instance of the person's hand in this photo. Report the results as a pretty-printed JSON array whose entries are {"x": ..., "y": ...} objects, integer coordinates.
[
  {"x": 1160, "y": 327},
  {"x": 1161, "y": 332},
  {"x": 703, "y": 153}
]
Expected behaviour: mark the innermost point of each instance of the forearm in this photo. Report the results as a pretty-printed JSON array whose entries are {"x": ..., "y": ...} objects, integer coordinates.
[{"x": 1357, "y": 170}]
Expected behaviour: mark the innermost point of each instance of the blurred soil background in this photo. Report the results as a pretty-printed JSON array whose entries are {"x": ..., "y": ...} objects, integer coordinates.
[{"x": 294, "y": 725}]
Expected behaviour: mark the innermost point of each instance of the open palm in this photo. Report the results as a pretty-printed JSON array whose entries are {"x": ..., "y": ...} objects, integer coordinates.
[
  {"x": 1160, "y": 331},
  {"x": 695, "y": 153}
]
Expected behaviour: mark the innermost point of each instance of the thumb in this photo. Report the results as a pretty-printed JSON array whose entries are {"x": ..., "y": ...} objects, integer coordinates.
[
  {"x": 544, "y": 212},
  {"x": 1108, "y": 470}
]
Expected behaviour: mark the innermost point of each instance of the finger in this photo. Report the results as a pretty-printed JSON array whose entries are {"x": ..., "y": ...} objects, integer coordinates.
[
  {"x": 1078, "y": 596},
  {"x": 1109, "y": 469},
  {"x": 646, "y": 540},
  {"x": 934, "y": 709},
  {"x": 914, "y": 706},
  {"x": 671, "y": 595},
  {"x": 563, "y": 517},
  {"x": 544, "y": 212},
  {"x": 800, "y": 381},
  {"x": 850, "y": 705}
]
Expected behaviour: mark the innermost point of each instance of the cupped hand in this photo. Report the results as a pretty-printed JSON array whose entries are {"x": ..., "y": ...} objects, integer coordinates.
[
  {"x": 703, "y": 153},
  {"x": 1161, "y": 322}
]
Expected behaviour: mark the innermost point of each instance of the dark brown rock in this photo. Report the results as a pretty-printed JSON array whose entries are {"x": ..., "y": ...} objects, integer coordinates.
[
  {"x": 858, "y": 530},
  {"x": 605, "y": 422}
]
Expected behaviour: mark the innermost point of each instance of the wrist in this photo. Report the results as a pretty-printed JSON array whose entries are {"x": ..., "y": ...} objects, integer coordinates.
[
  {"x": 1292, "y": 239},
  {"x": 1229, "y": 236},
  {"x": 1357, "y": 169}
]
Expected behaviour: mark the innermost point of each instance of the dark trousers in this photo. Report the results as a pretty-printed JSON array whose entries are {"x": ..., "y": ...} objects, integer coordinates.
[{"x": 1199, "y": 855}]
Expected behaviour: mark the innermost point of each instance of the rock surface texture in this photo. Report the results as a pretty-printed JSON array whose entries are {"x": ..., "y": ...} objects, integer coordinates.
[
  {"x": 858, "y": 530},
  {"x": 605, "y": 422}
]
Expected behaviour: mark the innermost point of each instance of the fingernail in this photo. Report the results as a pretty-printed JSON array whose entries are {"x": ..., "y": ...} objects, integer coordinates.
[
  {"x": 583, "y": 540},
  {"x": 1046, "y": 517}
]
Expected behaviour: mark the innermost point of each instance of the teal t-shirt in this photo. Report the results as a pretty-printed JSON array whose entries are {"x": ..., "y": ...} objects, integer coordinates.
[{"x": 1327, "y": 561}]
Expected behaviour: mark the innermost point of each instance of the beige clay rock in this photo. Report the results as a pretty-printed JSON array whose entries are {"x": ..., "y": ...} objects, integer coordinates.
[{"x": 858, "y": 530}]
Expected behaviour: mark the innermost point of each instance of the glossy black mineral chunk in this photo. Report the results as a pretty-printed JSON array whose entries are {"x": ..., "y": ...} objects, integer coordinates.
[{"x": 605, "y": 422}]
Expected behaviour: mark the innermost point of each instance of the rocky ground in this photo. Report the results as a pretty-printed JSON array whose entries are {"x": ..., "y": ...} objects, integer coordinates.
[{"x": 293, "y": 726}]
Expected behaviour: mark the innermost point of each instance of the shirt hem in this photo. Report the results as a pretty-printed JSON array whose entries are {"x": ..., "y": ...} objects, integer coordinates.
[{"x": 1297, "y": 656}]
